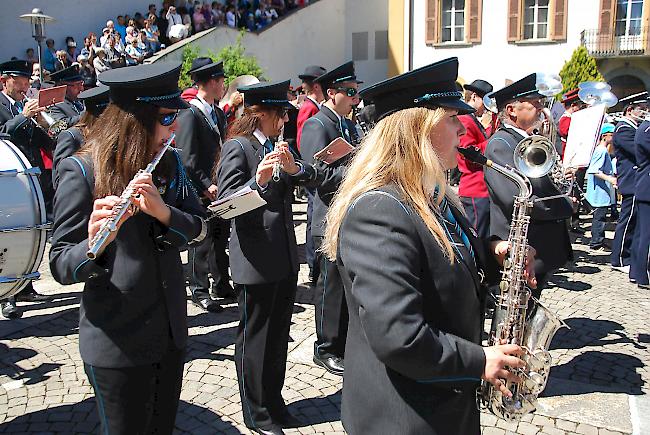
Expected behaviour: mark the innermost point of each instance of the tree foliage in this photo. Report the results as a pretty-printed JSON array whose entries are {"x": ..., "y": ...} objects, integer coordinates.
[
  {"x": 580, "y": 68},
  {"x": 235, "y": 62}
]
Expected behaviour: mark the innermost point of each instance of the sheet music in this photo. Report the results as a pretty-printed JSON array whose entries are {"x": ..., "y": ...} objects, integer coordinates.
[{"x": 240, "y": 202}]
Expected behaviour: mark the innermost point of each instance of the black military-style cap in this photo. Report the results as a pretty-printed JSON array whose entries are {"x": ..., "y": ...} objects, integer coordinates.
[
  {"x": 431, "y": 86},
  {"x": 16, "y": 68},
  {"x": 204, "y": 68},
  {"x": 311, "y": 72},
  {"x": 95, "y": 97},
  {"x": 340, "y": 74},
  {"x": 155, "y": 83},
  {"x": 270, "y": 94},
  {"x": 481, "y": 87},
  {"x": 524, "y": 88},
  {"x": 67, "y": 75}
]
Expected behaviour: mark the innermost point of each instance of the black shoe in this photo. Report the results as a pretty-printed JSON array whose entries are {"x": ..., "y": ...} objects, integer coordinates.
[
  {"x": 577, "y": 230},
  {"x": 332, "y": 364},
  {"x": 644, "y": 286},
  {"x": 9, "y": 309},
  {"x": 287, "y": 420},
  {"x": 223, "y": 291},
  {"x": 271, "y": 429},
  {"x": 205, "y": 303},
  {"x": 32, "y": 296}
]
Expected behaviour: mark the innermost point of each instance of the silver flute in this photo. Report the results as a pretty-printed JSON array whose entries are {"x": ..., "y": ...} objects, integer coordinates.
[
  {"x": 276, "y": 165},
  {"x": 126, "y": 201}
]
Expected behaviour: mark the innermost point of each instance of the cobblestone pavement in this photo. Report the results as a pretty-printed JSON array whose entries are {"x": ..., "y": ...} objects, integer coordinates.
[{"x": 599, "y": 383}]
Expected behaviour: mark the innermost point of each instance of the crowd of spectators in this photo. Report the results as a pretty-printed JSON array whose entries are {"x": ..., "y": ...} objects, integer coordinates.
[{"x": 130, "y": 40}]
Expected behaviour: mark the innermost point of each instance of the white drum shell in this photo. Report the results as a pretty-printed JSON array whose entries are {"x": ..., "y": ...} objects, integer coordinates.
[{"x": 22, "y": 221}]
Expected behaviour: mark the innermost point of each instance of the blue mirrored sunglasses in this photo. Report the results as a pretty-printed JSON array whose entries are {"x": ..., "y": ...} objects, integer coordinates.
[
  {"x": 167, "y": 119},
  {"x": 350, "y": 92}
]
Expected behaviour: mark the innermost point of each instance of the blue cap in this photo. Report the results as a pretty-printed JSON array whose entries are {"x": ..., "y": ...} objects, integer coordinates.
[{"x": 606, "y": 128}]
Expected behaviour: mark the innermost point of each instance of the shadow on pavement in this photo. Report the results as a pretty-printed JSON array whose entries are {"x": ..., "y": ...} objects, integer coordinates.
[
  {"x": 591, "y": 332},
  {"x": 64, "y": 322},
  {"x": 81, "y": 418},
  {"x": 596, "y": 371},
  {"x": 9, "y": 368},
  {"x": 317, "y": 410}
]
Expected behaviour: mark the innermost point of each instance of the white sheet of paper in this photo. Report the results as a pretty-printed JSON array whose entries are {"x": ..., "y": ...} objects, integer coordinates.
[
  {"x": 583, "y": 136},
  {"x": 240, "y": 202}
]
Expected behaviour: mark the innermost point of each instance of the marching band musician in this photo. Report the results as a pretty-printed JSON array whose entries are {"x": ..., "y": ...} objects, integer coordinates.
[
  {"x": 310, "y": 107},
  {"x": 16, "y": 117},
  {"x": 471, "y": 188},
  {"x": 70, "y": 140},
  {"x": 200, "y": 138},
  {"x": 71, "y": 108},
  {"x": 640, "y": 265},
  {"x": 341, "y": 89},
  {"x": 624, "y": 246},
  {"x": 263, "y": 252},
  {"x": 520, "y": 107},
  {"x": 133, "y": 313},
  {"x": 408, "y": 260}
]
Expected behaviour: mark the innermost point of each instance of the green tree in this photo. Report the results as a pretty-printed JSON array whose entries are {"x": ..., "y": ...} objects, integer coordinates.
[
  {"x": 235, "y": 62},
  {"x": 580, "y": 68}
]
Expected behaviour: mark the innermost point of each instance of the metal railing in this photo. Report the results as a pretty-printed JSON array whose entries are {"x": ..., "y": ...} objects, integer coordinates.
[{"x": 600, "y": 44}]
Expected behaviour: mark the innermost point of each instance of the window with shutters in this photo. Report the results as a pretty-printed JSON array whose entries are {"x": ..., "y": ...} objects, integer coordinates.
[
  {"x": 628, "y": 17},
  {"x": 536, "y": 19},
  {"x": 453, "y": 21}
]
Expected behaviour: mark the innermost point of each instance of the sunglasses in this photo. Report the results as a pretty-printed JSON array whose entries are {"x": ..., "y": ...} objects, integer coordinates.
[
  {"x": 350, "y": 92},
  {"x": 167, "y": 119}
]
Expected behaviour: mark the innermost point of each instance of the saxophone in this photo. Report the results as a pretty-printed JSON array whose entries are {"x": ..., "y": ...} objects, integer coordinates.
[
  {"x": 126, "y": 201},
  {"x": 511, "y": 323}
]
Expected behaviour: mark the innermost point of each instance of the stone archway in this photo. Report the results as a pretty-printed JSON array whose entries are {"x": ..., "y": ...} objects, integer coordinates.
[{"x": 625, "y": 85}]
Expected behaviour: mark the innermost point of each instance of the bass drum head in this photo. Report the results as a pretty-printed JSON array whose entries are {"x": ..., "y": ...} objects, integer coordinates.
[{"x": 22, "y": 218}]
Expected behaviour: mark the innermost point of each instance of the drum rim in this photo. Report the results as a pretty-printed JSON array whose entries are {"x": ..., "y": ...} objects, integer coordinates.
[{"x": 42, "y": 234}]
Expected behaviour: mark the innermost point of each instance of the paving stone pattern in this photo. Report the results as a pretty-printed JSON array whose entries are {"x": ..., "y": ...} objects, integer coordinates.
[{"x": 44, "y": 389}]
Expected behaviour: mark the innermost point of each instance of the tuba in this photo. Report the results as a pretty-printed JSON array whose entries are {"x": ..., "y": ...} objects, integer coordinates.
[{"x": 512, "y": 323}]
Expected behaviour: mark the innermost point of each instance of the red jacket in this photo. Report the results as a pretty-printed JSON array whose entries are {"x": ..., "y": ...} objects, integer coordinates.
[
  {"x": 307, "y": 109},
  {"x": 472, "y": 184},
  {"x": 563, "y": 126}
]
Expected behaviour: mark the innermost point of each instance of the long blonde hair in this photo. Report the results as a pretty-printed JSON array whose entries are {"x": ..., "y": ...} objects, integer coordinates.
[{"x": 397, "y": 151}]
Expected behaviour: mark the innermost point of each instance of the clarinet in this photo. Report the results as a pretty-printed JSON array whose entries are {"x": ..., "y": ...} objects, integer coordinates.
[
  {"x": 126, "y": 201},
  {"x": 276, "y": 165}
]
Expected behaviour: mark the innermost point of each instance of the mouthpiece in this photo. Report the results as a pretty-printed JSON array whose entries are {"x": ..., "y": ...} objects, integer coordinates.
[{"x": 473, "y": 155}]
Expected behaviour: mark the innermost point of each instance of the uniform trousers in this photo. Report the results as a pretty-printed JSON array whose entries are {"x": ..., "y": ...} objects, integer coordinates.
[
  {"x": 138, "y": 400},
  {"x": 624, "y": 244},
  {"x": 640, "y": 265},
  {"x": 331, "y": 309},
  {"x": 478, "y": 214},
  {"x": 598, "y": 226},
  {"x": 310, "y": 251},
  {"x": 209, "y": 257},
  {"x": 261, "y": 348}
]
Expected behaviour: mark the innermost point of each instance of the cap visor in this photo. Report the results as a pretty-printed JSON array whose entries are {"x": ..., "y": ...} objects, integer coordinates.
[
  {"x": 456, "y": 104},
  {"x": 174, "y": 103}
]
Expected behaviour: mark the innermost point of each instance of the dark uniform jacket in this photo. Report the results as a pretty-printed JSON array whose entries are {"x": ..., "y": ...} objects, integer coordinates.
[
  {"x": 200, "y": 141},
  {"x": 133, "y": 307},
  {"x": 624, "y": 150},
  {"x": 642, "y": 140},
  {"x": 262, "y": 241},
  {"x": 413, "y": 358},
  {"x": 547, "y": 232},
  {"x": 317, "y": 132},
  {"x": 68, "y": 143},
  {"x": 28, "y": 137},
  {"x": 68, "y": 111}
]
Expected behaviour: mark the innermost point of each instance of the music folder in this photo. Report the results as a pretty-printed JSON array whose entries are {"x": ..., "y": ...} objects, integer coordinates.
[
  {"x": 240, "y": 202},
  {"x": 51, "y": 96},
  {"x": 336, "y": 150}
]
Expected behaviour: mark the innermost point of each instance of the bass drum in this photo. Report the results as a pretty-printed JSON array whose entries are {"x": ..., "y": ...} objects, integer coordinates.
[{"x": 23, "y": 222}]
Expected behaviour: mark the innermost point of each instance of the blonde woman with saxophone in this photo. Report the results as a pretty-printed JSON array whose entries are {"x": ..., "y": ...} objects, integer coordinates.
[{"x": 412, "y": 268}]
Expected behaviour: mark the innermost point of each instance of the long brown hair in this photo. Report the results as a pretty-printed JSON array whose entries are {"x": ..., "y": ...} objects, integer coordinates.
[
  {"x": 120, "y": 145},
  {"x": 246, "y": 124}
]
